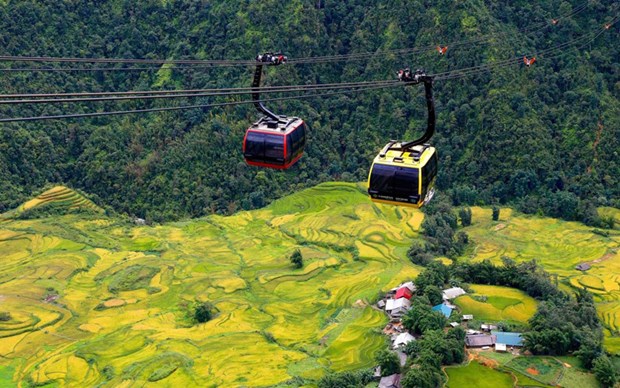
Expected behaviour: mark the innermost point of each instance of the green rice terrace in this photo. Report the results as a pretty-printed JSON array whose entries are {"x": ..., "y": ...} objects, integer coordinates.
[{"x": 94, "y": 300}]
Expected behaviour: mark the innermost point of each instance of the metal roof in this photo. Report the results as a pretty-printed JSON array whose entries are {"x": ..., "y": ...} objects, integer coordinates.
[
  {"x": 444, "y": 309},
  {"x": 508, "y": 338}
]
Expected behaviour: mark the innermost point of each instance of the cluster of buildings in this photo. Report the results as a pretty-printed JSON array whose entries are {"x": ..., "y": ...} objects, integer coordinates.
[{"x": 398, "y": 301}]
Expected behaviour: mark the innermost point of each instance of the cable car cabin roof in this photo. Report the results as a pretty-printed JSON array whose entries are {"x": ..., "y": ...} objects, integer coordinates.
[
  {"x": 416, "y": 157},
  {"x": 284, "y": 125}
]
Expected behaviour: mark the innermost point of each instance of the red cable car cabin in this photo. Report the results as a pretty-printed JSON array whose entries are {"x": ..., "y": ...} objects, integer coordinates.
[{"x": 275, "y": 143}]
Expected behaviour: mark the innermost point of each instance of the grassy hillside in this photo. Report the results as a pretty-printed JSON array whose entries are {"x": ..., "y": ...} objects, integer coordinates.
[{"x": 96, "y": 300}]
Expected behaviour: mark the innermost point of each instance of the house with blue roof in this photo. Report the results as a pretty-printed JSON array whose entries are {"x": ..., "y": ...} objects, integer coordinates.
[
  {"x": 444, "y": 309},
  {"x": 508, "y": 338}
]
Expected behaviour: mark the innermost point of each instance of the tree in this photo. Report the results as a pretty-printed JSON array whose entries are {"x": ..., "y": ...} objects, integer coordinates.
[
  {"x": 605, "y": 371},
  {"x": 296, "y": 259},
  {"x": 202, "y": 312},
  {"x": 422, "y": 377},
  {"x": 495, "y": 213},
  {"x": 388, "y": 361},
  {"x": 411, "y": 348},
  {"x": 421, "y": 318},
  {"x": 5, "y": 316},
  {"x": 589, "y": 351},
  {"x": 434, "y": 294},
  {"x": 465, "y": 215},
  {"x": 456, "y": 333},
  {"x": 418, "y": 254},
  {"x": 346, "y": 379}
]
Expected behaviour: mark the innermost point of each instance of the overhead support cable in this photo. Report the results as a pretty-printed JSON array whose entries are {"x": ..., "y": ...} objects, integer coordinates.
[{"x": 197, "y": 106}]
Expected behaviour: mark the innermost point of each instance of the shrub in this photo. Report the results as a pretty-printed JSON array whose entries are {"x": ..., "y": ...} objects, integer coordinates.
[
  {"x": 296, "y": 259},
  {"x": 465, "y": 215},
  {"x": 495, "y": 213},
  {"x": 202, "y": 312}
]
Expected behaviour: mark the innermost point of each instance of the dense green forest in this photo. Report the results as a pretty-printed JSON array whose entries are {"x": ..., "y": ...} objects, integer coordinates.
[{"x": 545, "y": 138}]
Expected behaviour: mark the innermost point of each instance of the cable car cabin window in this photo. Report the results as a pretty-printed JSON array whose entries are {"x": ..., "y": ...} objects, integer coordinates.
[
  {"x": 298, "y": 138},
  {"x": 429, "y": 171},
  {"x": 255, "y": 145},
  {"x": 394, "y": 183},
  {"x": 381, "y": 178},
  {"x": 274, "y": 148},
  {"x": 264, "y": 147},
  {"x": 405, "y": 182},
  {"x": 302, "y": 134},
  {"x": 290, "y": 146}
]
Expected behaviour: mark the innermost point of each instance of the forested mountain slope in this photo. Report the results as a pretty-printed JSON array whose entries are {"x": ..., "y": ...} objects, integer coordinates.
[{"x": 546, "y": 136}]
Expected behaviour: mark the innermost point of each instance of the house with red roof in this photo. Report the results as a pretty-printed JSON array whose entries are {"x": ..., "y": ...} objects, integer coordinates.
[{"x": 403, "y": 292}]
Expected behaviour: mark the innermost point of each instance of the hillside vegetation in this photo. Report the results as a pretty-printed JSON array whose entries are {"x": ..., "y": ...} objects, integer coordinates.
[
  {"x": 544, "y": 138},
  {"x": 95, "y": 300},
  {"x": 558, "y": 246}
]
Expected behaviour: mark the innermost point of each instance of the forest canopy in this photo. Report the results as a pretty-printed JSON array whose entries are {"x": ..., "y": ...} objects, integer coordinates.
[{"x": 544, "y": 138}]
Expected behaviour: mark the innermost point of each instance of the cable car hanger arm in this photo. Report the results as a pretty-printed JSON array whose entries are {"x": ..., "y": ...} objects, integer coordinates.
[
  {"x": 270, "y": 59},
  {"x": 414, "y": 79}
]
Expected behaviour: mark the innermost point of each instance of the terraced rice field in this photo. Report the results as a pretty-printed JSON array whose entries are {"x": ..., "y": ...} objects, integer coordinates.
[
  {"x": 559, "y": 246},
  {"x": 500, "y": 304},
  {"x": 58, "y": 196},
  {"x": 95, "y": 300}
]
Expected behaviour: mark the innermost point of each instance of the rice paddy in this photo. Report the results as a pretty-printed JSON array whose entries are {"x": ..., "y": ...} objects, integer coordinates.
[
  {"x": 559, "y": 246},
  {"x": 495, "y": 303},
  {"x": 477, "y": 375},
  {"x": 56, "y": 197},
  {"x": 94, "y": 300},
  {"x": 100, "y": 301}
]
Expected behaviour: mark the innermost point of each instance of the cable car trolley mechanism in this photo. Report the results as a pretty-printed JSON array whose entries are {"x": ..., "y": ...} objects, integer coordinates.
[
  {"x": 274, "y": 141},
  {"x": 404, "y": 171}
]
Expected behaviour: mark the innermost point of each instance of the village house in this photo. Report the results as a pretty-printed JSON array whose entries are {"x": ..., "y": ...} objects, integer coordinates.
[
  {"x": 508, "y": 338},
  {"x": 408, "y": 285},
  {"x": 392, "y": 291},
  {"x": 403, "y": 292},
  {"x": 583, "y": 267},
  {"x": 452, "y": 293},
  {"x": 444, "y": 309},
  {"x": 479, "y": 340},
  {"x": 402, "y": 339},
  {"x": 488, "y": 327},
  {"x": 397, "y": 307},
  {"x": 391, "y": 381}
]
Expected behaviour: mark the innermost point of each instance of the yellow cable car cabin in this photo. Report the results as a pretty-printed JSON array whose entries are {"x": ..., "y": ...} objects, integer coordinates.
[
  {"x": 403, "y": 175},
  {"x": 404, "y": 172}
]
